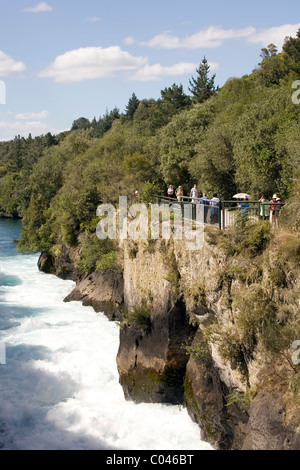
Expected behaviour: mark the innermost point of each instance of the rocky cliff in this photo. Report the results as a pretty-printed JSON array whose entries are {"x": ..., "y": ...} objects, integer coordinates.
[{"x": 184, "y": 337}]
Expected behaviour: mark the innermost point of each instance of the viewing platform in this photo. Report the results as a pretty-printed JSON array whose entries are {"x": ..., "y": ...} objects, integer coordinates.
[{"x": 225, "y": 213}]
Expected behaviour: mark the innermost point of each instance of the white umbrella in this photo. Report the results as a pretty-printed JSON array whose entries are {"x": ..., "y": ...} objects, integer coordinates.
[{"x": 241, "y": 195}]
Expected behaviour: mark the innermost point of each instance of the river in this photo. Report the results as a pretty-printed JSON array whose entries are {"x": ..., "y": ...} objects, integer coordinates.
[{"x": 59, "y": 387}]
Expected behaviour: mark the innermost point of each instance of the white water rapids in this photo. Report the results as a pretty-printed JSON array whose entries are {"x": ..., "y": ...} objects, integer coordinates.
[{"x": 59, "y": 388}]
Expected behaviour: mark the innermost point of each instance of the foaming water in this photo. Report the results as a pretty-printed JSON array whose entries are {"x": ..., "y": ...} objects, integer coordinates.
[{"x": 60, "y": 388}]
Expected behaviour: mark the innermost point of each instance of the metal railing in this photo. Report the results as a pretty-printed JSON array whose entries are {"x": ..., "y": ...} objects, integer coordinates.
[{"x": 225, "y": 213}]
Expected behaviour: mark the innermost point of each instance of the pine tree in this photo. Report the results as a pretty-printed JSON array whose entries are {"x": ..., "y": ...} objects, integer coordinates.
[
  {"x": 202, "y": 87},
  {"x": 132, "y": 106},
  {"x": 172, "y": 101}
]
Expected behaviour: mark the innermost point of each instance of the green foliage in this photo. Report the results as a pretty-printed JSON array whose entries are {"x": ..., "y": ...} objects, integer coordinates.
[
  {"x": 108, "y": 262},
  {"x": 97, "y": 254},
  {"x": 291, "y": 52},
  {"x": 290, "y": 214},
  {"x": 278, "y": 277},
  {"x": 104, "y": 124},
  {"x": 202, "y": 87},
  {"x": 81, "y": 123},
  {"x": 241, "y": 399},
  {"x": 246, "y": 237},
  {"x": 148, "y": 192},
  {"x": 132, "y": 106},
  {"x": 200, "y": 351},
  {"x": 140, "y": 316},
  {"x": 177, "y": 144},
  {"x": 173, "y": 100}
]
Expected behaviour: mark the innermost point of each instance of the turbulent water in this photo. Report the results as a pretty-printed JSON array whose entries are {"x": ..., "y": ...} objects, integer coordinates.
[{"x": 59, "y": 384}]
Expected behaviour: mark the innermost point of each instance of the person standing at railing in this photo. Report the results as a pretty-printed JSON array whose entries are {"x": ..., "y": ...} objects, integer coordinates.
[
  {"x": 214, "y": 211},
  {"x": 276, "y": 211},
  {"x": 205, "y": 201},
  {"x": 194, "y": 194},
  {"x": 264, "y": 208},
  {"x": 179, "y": 194},
  {"x": 170, "y": 191},
  {"x": 244, "y": 207},
  {"x": 272, "y": 202}
]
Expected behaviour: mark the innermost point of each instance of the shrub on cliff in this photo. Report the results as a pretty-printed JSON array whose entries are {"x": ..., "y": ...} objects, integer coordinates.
[
  {"x": 95, "y": 254},
  {"x": 139, "y": 316},
  {"x": 246, "y": 237}
]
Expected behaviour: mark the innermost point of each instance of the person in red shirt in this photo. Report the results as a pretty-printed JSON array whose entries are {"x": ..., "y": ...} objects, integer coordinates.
[{"x": 272, "y": 207}]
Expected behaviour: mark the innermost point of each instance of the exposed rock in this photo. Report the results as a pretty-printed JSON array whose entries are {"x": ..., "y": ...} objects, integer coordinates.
[
  {"x": 267, "y": 428},
  {"x": 206, "y": 398},
  {"x": 62, "y": 266},
  {"x": 102, "y": 291},
  {"x": 152, "y": 363}
]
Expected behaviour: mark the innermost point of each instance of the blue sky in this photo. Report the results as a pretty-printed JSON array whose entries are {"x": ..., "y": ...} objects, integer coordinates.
[{"x": 63, "y": 59}]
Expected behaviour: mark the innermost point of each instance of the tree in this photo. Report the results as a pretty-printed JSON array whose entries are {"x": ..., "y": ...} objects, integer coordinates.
[
  {"x": 269, "y": 51},
  {"x": 291, "y": 52},
  {"x": 105, "y": 123},
  {"x": 173, "y": 100},
  {"x": 202, "y": 87},
  {"x": 132, "y": 106},
  {"x": 81, "y": 123}
]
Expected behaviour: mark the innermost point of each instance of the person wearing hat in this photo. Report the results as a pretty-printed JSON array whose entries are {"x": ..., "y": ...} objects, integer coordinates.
[
  {"x": 276, "y": 211},
  {"x": 272, "y": 207}
]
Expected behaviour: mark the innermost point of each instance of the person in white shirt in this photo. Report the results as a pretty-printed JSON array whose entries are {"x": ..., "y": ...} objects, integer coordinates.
[
  {"x": 194, "y": 194},
  {"x": 214, "y": 212},
  {"x": 179, "y": 194},
  {"x": 170, "y": 191}
]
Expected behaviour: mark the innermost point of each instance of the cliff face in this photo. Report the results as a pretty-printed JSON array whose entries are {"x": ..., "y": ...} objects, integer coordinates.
[
  {"x": 174, "y": 306},
  {"x": 181, "y": 288}
]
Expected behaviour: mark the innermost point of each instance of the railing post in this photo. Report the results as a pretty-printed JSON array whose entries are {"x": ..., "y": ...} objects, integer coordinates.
[{"x": 220, "y": 215}]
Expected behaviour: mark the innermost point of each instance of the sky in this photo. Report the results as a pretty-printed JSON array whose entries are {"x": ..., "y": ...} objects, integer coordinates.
[{"x": 65, "y": 59}]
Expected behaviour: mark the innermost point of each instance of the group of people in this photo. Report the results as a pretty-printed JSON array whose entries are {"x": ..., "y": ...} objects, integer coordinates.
[
  {"x": 201, "y": 198},
  {"x": 269, "y": 210}
]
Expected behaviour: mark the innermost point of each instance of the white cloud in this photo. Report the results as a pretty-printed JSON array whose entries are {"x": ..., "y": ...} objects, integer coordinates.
[
  {"x": 96, "y": 63},
  {"x": 158, "y": 71},
  {"x": 210, "y": 37},
  {"x": 93, "y": 19},
  {"x": 32, "y": 116},
  {"x": 214, "y": 36},
  {"x": 129, "y": 41},
  {"x": 8, "y": 130},
  {"x": 39, "y": 8},
  {"x": 90, "y": 63},
  {"x": 9, "y": 66},
  {"x": 275, "y": 35}
]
